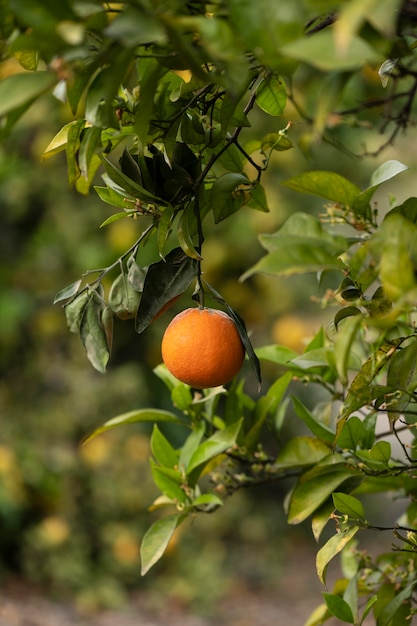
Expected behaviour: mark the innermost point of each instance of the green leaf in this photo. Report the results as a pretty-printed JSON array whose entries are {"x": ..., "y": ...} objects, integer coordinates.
[
  {"x": 320, "y": 357},
  {"x": 115, "y": 199},
  {"x": 361, "y": 390},
  {"x": 90, "y": 139},
  {"x": 301, "y": 245},
  {"x": 385, "y": 172},
  {"x": 280, "y": 355},
  {"x": 169, "y": 481},
  {"x": 58, "y": 143},
  {"x": 338, "y": 607},
  {"x": 68, "y": 292},
  {"x": 156, "y": 539},
  {"x": 388, "y": 612},
  {"x": 218, "y": 443},
  {"x": 347, "y": 311},
  {"x": 344, "y": 341},
  {"x": 271, "y": 95},
  {"x": 191, "y": 444},
  {"x": 349, "y": 505},
  {"x": 74, "y": 311},
  {"x": 327, "y": 185},
  {"x": 318, "y": 429},
  {"x": 394, "y": 246},
  {"x": 321, "y": 517},
  {"x": 126, "y": 185},
  {"x": 150, "y": 73},
  {"x": 301, "y": 451},
  {"x": 381, "y": 452},
  {"x": 352, "y": 435},
  {"x": 162, "y": 450},
  {"x": 402, "y": 378},
  {"x": 133, "y": 417},
  {"x": 331, "y": 548},
  {"x": 93, "y": 334},
  {"x": 71, "y": 148},
  {"x": 22, "y": 89},
  {"x": 186, "y": 236},
  {"x": 165, "y": 281},
  {"x": 228, "y": 195},
  {"x": 321, "y": 51},
  {"x": 207, "y": 499},
  {"x": 266, "y": 405},
  {"x": 123, "y": 299},
  {"x": 315, "y": 486}
]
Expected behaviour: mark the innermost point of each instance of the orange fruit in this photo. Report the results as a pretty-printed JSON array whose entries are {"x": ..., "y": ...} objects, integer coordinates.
[{"x": 202, "y": 348}]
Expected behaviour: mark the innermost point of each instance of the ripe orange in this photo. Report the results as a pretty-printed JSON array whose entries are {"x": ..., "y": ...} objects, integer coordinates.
[{"x": 202, "y": 348}]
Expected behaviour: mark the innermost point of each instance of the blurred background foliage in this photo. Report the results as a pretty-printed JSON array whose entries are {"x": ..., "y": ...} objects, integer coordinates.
[{"x": 71, "y": 517}]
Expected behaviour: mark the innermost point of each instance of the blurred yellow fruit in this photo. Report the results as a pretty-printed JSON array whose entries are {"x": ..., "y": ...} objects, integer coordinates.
[
  {"x": 53, "y": 530},
  {"x": 293, "y": 332}
]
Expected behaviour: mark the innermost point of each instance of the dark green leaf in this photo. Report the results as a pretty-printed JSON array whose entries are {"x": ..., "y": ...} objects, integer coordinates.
[
  {"x": 123, "y": 299},
  {"x": 338, "y": 607},
  {"x": 93, "y": 334},
  {"x": 228, "y": 194},
  {"x": 165, "y": 280},
  {"x": 74, "y": 312},
  {"x": 344, "y": 313},
  {"x": 127, "y": 185}
]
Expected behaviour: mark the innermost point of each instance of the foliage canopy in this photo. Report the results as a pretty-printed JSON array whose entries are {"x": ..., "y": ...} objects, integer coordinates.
[{"x": 164, "y": 97}]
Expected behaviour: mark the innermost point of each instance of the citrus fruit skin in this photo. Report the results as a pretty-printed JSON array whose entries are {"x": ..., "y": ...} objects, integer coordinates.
[{"x": 202, "y": 348}]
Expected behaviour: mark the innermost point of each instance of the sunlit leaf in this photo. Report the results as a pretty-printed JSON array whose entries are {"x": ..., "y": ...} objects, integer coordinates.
[
  {"x": 271, "y": 95},
  {"x": 162, "y": 450},
  {"x": 302, "y": 451},
  {"x": 156, "y": 540},
  {"x": 133, "y": 417},
  {"x": 333, "y": 547},
  {"x": 329, "y": 185},
  {"x": 221, "y": 441}
]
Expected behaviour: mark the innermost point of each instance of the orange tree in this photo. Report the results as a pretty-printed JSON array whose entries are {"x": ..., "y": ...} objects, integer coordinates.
[{"x": 167, "y": 100}]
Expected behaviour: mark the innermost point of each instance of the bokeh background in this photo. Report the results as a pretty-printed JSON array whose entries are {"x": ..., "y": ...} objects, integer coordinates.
[{"x": 72, "y": 516}]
